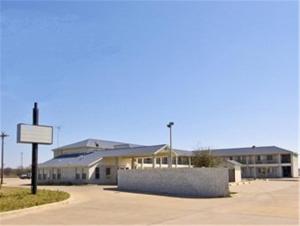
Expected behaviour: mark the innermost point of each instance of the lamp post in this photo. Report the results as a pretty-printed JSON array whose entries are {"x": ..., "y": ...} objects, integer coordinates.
[
  {"x": 170, "y": 154},
  {"x": 3, "y": 135}
]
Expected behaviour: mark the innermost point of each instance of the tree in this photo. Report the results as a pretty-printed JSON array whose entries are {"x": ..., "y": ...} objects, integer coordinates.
[{"x": 205, "y": 159}]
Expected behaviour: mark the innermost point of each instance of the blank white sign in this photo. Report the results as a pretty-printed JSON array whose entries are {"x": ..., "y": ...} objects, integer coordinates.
[{"x": 34, "y": 134}]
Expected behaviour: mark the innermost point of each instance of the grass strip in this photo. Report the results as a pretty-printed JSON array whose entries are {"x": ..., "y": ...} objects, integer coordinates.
[{"x": 12, "y": 198}]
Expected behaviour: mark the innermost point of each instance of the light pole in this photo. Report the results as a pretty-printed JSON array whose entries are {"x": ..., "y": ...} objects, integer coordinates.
[
  {"x": 3, "y": 135},
  {"x": 170, "y": 154}
]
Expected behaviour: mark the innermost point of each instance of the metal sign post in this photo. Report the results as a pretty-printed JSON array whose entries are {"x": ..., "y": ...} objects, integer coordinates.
[
  {"x": 34, "y": 134},
  {"x": 35, "y": 121}
]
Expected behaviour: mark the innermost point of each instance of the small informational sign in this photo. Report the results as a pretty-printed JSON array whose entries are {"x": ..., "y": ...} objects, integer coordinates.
[{"x": 37, "y": 134}]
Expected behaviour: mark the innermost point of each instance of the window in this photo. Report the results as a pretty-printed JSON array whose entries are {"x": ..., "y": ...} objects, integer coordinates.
[
  {"x": 148, "y": 160},
  {"x": 173, "y": 160},
  {"x": 83, "y": 174},
  {"x": 44, "y": 176},
  {"x": 230, "y": 158},
  {"x": 258, "y": 158},
  {"x": 158, "y": 161},
  {"x": 179, "y": 162},
  {"x": 243, "y": 172},
  {"x": 107, "y": 171},
  {"x": 183, "y": 160},
  {"x": 58, "y": 174},
  {"x": 262, "y": 171},
  {"x": 77, "y": 175},
  {"x": 269, "y": 157},
  {"x": 140, "y": 161},
  {"x": 40, "y": 176},
  {"x": 243, "y": 159},
  {"x": 97, "y": 173},
  {"x": 285, "y": 158},
  {"x": 54, "y": 176},
  {"x": 165, "y": 160}
]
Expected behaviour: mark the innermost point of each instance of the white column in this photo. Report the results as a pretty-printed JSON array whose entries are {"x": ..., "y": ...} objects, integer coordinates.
[
  {"x": 190, "y": 162},
  {"x": 132, "y": 163},
  {"x": 153, "y": 162},
  {"x": 160, "y": 162},
  {"x": 176, "y": 161},
  {"x": 142, "y": 163}
]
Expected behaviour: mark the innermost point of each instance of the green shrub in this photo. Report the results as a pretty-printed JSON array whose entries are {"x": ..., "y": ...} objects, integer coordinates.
[{"x": 205, "y": 159}]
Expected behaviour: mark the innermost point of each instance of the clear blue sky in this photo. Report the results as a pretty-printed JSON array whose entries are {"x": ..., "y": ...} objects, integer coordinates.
[{"x": 225, "y": 72}]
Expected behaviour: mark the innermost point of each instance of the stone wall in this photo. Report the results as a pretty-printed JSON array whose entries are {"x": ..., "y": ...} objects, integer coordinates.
[{"x": 190, "y": 182}]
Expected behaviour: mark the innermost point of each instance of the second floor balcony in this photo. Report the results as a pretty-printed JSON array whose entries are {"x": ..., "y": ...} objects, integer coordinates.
[{"x": 265, "y": 161}]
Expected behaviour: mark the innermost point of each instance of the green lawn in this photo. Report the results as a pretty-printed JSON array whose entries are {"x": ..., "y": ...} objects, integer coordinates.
[{"x": 12, "y": 198}]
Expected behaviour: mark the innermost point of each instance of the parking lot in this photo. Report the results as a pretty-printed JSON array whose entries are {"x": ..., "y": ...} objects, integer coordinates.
[{"x": 273, "y": 202}]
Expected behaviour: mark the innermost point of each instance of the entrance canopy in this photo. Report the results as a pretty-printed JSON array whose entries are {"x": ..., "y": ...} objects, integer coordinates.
[{"x": 92, "y": 157}]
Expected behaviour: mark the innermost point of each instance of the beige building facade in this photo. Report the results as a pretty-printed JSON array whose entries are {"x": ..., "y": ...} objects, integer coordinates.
[
  {"x": 98, "y": 161},
  {"x": 262, "y": 162},
  {"x": 83, "y": 163}
]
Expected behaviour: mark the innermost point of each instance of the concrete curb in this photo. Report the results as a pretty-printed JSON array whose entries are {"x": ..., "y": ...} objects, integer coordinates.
[
  {"x": 241, "y": 182},
  {"x": 33, "y": 208}
]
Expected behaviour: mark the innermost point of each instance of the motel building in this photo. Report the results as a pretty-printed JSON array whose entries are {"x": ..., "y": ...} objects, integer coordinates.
[
  {"x": 262, "y": 162},
  {"x": 95, "y": 161}
]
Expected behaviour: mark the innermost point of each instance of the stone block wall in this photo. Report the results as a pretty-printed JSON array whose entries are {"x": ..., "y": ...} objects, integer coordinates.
[{"x": 189, "y": 182}]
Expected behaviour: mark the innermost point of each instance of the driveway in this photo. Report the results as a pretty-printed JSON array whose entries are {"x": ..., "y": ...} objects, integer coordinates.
[{"x": 259, "y": 203}]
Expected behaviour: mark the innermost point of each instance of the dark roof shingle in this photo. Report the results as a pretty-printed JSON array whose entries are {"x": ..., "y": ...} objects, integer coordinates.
[{"x": 265, "y": 150}]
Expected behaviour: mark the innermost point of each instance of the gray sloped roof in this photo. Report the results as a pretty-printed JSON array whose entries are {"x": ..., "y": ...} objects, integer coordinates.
[
  {"x": 248, "y": 151},
  {"x": 86, "y": 159},
  {"x": 230, "y": 164},
  {"x": 96, "y": 143},
  {"x": 130, "y": 152},
  {"x": 183, "y": 152},
  {"x": 80, "y": 159},
  {"x": 233, "y": 162}
]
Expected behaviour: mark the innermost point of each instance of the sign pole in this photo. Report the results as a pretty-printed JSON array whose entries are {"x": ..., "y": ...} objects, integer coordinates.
[
  {"x": 35, "y": 121},
  {"x": 34, "y": 134}
]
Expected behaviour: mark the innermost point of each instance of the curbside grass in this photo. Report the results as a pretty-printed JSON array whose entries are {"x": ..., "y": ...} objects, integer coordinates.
[{"x": 12, "y": 198}]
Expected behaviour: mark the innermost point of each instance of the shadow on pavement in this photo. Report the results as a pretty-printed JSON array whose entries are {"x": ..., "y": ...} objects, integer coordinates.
[{"x": 115, "y": 189}]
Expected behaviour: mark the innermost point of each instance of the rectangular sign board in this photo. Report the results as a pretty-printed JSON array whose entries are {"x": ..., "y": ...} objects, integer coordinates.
[{"x": 29, "y": 134}]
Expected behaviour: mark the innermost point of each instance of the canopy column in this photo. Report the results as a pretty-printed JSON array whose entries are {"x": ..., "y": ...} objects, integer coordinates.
[
  {"x": 190, "y": 162},
  {"x": 132, "y": 163},
  {"x": 153, "y": 161}
]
